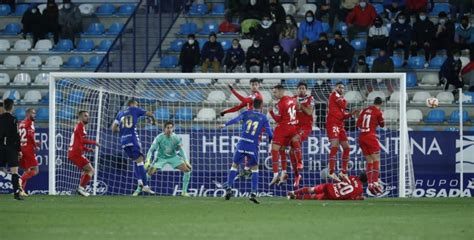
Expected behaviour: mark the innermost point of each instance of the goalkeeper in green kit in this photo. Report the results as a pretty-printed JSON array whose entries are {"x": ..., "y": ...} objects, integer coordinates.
[{"x": 168, "y": 149}]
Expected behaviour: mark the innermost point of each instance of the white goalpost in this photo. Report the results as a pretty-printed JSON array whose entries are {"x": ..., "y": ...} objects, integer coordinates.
[{"x": 193, "y": 101}]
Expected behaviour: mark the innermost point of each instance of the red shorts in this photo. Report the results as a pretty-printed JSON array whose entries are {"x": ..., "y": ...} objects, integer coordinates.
[
  {"x": 369, "y": 144},
  {"x": 336, "y": 132},
  {"x": 284, "y": 133},
  {"x": 28, "y": 161},
  {"x": 304, "y": 132},
  {"x": 79, "y": 160}
]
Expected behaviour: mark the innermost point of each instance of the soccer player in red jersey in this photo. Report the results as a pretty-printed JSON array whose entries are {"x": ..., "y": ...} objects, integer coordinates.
[
  {"x": 353, "y": 189},
  {"x": 245, "y": 101},
  {"x": 285, "y": 133},
  {"x": 76, "y": 150},
  {"x": 369, "y": 119},
  {"x": 335, "y": 130},
  {"x": 28, "y": 161}
]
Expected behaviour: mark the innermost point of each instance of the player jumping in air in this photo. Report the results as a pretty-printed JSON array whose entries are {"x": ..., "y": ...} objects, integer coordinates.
[
  {"x": 353, "y": 189},
  {"x": 253, "y": 122},
  {"x": 126, "y": 124},
  {"x": 368, "y": 121},
  {"x": 76, "y": 150},
  {"x": 336, "y": 133},
  {"x": 28, "y": 162},
  {"x": 285, "y": 132},
  {"x": 167, "y": 148}
]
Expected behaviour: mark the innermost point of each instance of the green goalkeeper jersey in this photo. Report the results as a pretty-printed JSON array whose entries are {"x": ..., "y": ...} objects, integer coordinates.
[{"x": 166, "y": 147}]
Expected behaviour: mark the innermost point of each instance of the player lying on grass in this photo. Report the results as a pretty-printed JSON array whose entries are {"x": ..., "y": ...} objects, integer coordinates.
[
  {"x": 369, "y": 119},
  {"x": 253, "y": 122},
  {"x": 28, "y": 161},
  {"x": 351, "y": 190},
  {"x": 126, "y": 124},
  {"x": 167, "y": 148}
]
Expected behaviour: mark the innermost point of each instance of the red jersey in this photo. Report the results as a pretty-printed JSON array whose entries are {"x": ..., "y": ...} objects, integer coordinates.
[
  {"x": 305, "y": 120},
  {"x": 79, "y": 141},
  {"x": 337, "y": 110},
  {"x": 346, "y": 191},
  {"x": 369, "y": 119},
  {"x": 26, "y": 129},
  {"x": 286, "y": 111},
  {"x": 245, "y": 101}
]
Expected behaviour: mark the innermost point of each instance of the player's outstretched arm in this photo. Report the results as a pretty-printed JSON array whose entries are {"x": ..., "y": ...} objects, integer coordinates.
[
  {"x": 115, "y": 126},
  {"x": 152, "y": 117},
  {"x": 235, "y": 120},
  {"x": 275, "y": 117},
  {"x": 233, "y": 109}
]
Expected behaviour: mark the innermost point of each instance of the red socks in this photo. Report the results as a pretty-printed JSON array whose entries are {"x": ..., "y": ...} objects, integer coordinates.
[
  {"x": 345, "y": 159},
  {"x": 332, "y": 159},
  {"x": 284, "y": 163},
  {"x": 369, "y": 172},
  {"x": 294, "y": 164},
  {"x": 375, "y": 171},
  {"x": 27, "y": 175},
  {"x": 275, "y": 159},
  {"x": 85, "y": 178}
]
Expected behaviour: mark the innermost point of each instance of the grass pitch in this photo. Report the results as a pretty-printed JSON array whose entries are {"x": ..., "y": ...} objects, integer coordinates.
[{"x": 169, "y": 218}]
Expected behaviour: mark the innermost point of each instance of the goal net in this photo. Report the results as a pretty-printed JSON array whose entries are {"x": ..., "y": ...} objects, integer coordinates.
[{"x": 193, "y": 103}]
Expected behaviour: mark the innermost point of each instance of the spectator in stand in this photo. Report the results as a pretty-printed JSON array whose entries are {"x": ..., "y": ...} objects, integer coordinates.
[
  {"x": 422, "y": 37},
  {"x": 330, "y": 7},
  {"x": 301, "y": 56},
  {"x": 234, "y": 57},
  {"x": 321, "y": 52},
  {"x": 415, "y": 7},
  {"x": 233, "y": 8},
  {"x": 361, "y": 66},
  {"x": 464, "y": 34},
  {"x": 360, "y": 19},
  {"x": 254, "y": 56},
  {"x": 383, "y": 63},
  {"x": 31, "y": 21},
  {"x": 277, "y": 14},
  {"x": 310, "y": 28},
  {"x": 346, "y": 7},
  {"x": 250, "y": 17},
  {"x": 393, "y": 8},
  {"x": 288, "y": 35},
  {"x": 343, "y": 53},
  {"x": 468, "y": 73},
  {"x": 450, "y": 72},
  {"x": 228, "y": 27},
  {"x": 266, "y": 33},
  {"x": 400, "y": 36},
  {"x": 444, "y": 38},
  {"x": 70, "y": 20},
  {"x": 212, "y": 53},
  {"x": 277, "y": 58},
  {"x": 459, "y": 7},
  {"x": 378, "y": 36},
  {"x": 50, "y": 20},
  {"x": 189, "y": 56}
]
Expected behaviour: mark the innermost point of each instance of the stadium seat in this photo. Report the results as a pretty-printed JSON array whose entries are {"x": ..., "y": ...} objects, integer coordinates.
[
  {"x": 420, "y": 97},
  {"x": 53, "y": 62},
  {"x": 416, "y": 62},
  {"x": 188, "y": 28},
  {"x": 289, "y": 8},
  {"x": 437, "y": 61},
  {"x": 11, "y": 62},
  {"x": 307, "y": 7},
  {"x": 397, "y": 61},
  {"x": 95, "y": 29},
  {"x": 176, "y": 45},
  {"x": 126, "y": 10},
  {"x": 184, "y": 114},
  {"x": 66, "y": 113},
  {"x": 105, "y": 10},
  {"x": 206, "y": 114},
  {"x": 208, "y": 28},
  {"x": 395, "y": 97},
  {"x": 454, "y": 117},
  {"x": 203, "y": 81},
  {"x": 194, "y": 96},
  {"x": 326, "y": 27},
  {"x": 267, "y": 96},
  {"x": 218, "y": 9},
  {"x": 94, "y": 62},
  {"x": 86, "y": 9},
  {"x": 11, "y": 94},
  {"x": 76, "y": 97},
  {"x": 411, "y": 80},
  {"x": 428, "y": 129},
  {"x": 370, "y": 60},
  {"x": 41, "y": 79},
  {"x": 115, "y": 28},
  {"x": 359, "y": 44},
  {"x": 4, "y": 45},
  {"x": 22, "y": 79},
  {"x": 20, "y": 9},
  {"x": 201, "y": 42},
  {"x": 440, "y": 7},
  {"x": 74, "y": 62},
  {"x": 19, "y": 113},
  {"x": 245, "y": 44},
  {"x": 216, "y": 96},
  {"x": 4, "y": 79},
  {"x": 169, "y": 62},
  {"x": 32, "y": 96},
  {"x": 372, "y": 95},
  {"x": 5, "y": 9},
  {"x": 226, "y": 44},
  {"x": 32, "y": 62},
  {"x": 42, "y": 114},
  {"x": 468, "y": 97},
  {"x": 391, "y": 115},
  {"x": 353, "y": 97},
  {"x": 342, "y": 27},
  {"x": 414, "y": 115},
  {"x": 378, "y": 8},
  {"x": 198, "y": 10},
  {"x": 436, "y": 116},
  {"x": 104, "y": 45},
  {"x": 430, "y": 79},
  {"x": 12, "y": 29},
  {"x": 445, "y": 97},
  {"x": 162, "y": 113},
  {"x": 22, "y": 45},
  {"x": 85, "y": 45},
  {"x": 64, "y": 45},
  {"x": 291, "y": 83},
  {"x": 171, "y": 96},
  {"x": 43, "y": 45}
]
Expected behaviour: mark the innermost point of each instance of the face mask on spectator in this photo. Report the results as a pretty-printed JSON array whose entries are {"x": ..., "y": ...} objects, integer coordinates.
[
  {"x": 456, "y": 58},
  {"x": 191, "y": 41},
  {"x": 442, "y": 21},
  {"x": 266, "y": 22},
  {"x": 34, "y": 10},
  {"x": 309, "y": 19},
  {"x": 235, "y": 46},
  {"x": 67, "y": 6},
  {"x": 288, "y": 21},
  {"x": 276, "y": 49},
  {"x": 401, "y": 20},
  {"x": 253, "y": 2},
  {"x": 422, "y": 17},
  {"x": 256, "y": 45},
  {"x": 362, "y": 4}
]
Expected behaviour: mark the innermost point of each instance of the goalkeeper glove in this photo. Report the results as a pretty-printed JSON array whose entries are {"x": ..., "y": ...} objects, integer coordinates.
[{"x": 147, "y": 163}]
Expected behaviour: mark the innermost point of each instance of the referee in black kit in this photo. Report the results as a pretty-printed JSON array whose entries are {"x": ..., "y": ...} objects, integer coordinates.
[{"x": 10, "y": 151}]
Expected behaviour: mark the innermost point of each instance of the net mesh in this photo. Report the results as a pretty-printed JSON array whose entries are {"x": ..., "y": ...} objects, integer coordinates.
[{"x": 194, "y": 106}]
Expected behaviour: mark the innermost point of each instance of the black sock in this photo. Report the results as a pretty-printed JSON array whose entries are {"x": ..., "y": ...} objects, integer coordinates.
[{"x": 16, "y": 182}]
